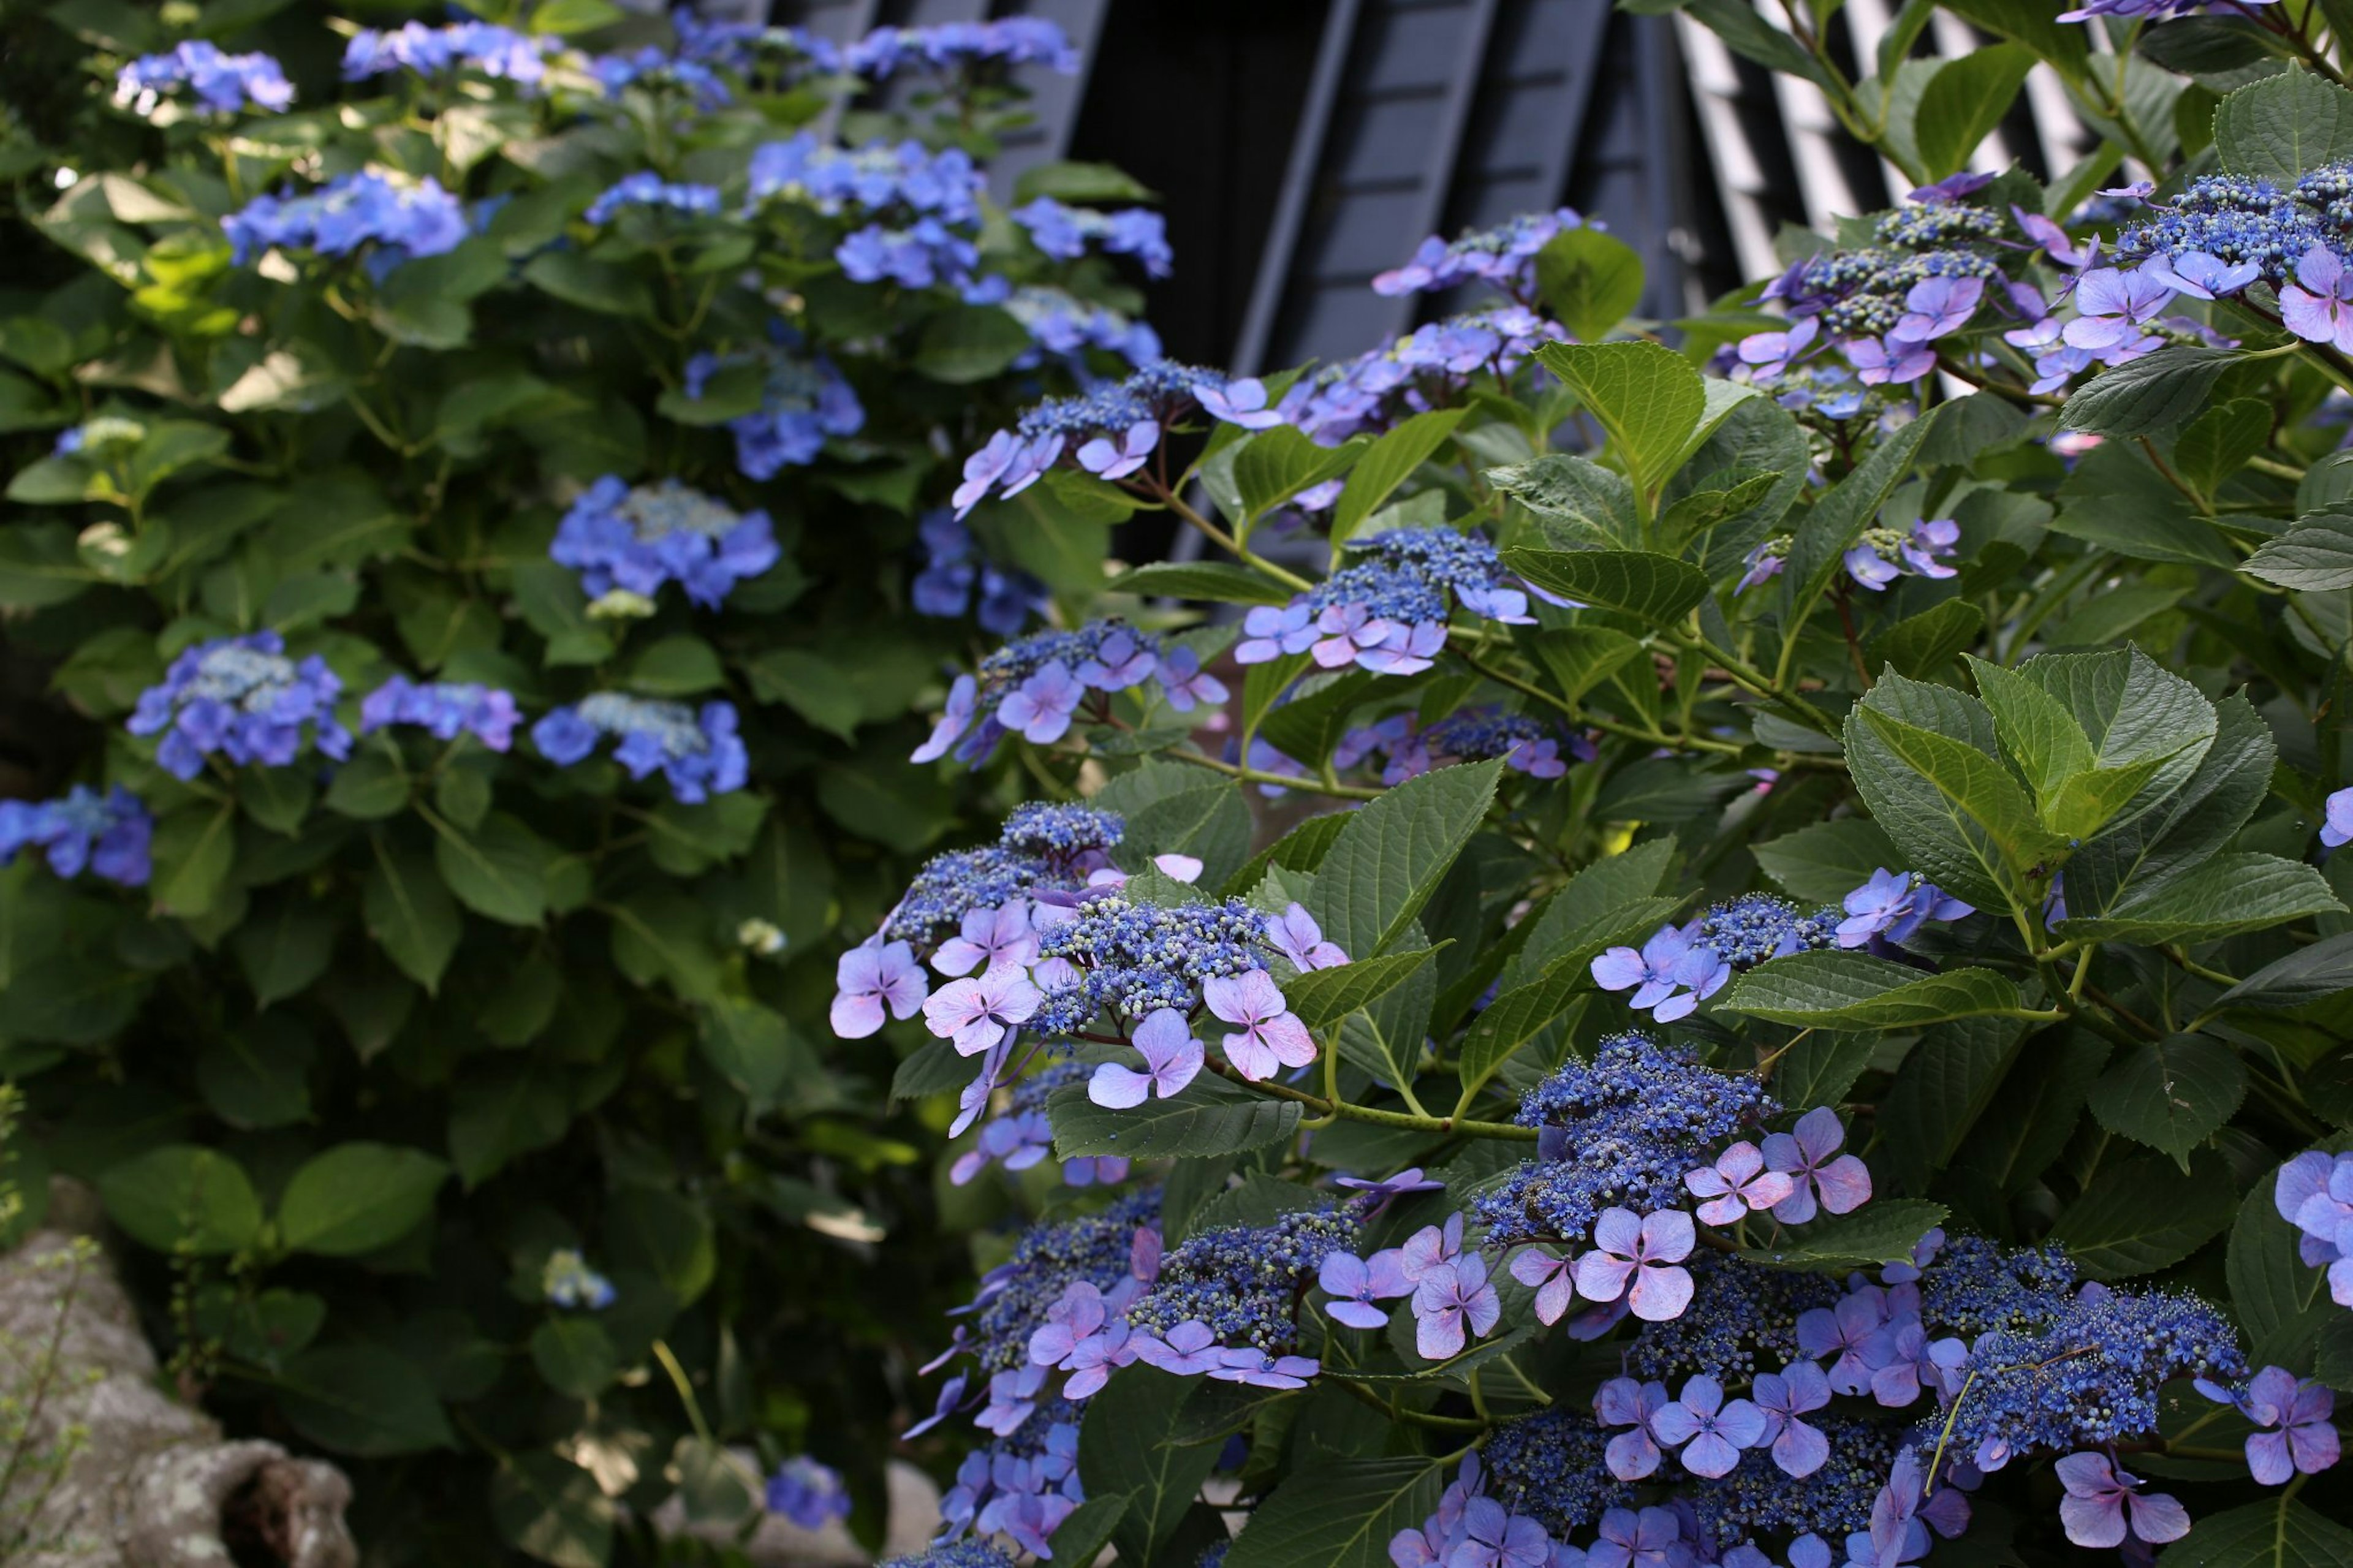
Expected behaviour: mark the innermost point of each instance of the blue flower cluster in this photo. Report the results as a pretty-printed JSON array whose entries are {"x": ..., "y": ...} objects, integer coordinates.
[
  {"x": 648, "y": 189},
  {"x": 810, "y": 1494},
  {"x": 804, "y": 401},
  {"x": 954, "y": 1554},
  {"x": 444, "y": 708},
  {"x": 636, "y": 538},
  {"x": 1042, "y": 848},
  {"x": 223, "y": 83},
  {"x": 1109, "y": 431},
  {"x": 244, "y": 699},
  {"x": 963, "y": 46},
  {"x": 1616, "y": 1133},
  {"x": 1408, "y": 750},
  {"x": 1033, "y": 687},
  {"x": 923, "y": 206},
  {"x": 1504, "y": 257},
  {"x": 1243, "y": 1285},
  {"x": 1430, "y": 367},
  {"x": 655, "y": 71},
  {"x": 107, "y": 834},
  {"x": 484, "y": 47},
  {"x": 699, "y": 753},
  {"x": 1386, "y": 612},
  {"x": 1066, "y": 233},
  {"x": 1065, "y": 327},
  {"x": 402, "y": 222},
  {"x": 953, "y": 567},
  {"x": 750, "y": 49}
]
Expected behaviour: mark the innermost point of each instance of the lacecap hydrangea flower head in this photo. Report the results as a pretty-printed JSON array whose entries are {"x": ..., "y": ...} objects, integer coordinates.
[
  {"x": 243, "y": 699},
  {"x": 638, "y": 538}
]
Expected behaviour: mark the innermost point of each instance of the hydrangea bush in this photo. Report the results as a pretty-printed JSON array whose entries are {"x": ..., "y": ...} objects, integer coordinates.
[
  {"x": 478, "y": 505},
  {"x": 1756, "y": 970}
]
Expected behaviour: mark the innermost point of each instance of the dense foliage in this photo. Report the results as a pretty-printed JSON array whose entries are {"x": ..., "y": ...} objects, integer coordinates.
[
  {"x": 1749, "y": 972},
  {"x": 1818, "y": 1031},
  {"x": 478, "y": 512}
]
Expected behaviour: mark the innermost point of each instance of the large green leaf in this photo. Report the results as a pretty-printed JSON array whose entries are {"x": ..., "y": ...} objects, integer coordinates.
[
  {"x": 357, "y": 1198},
  {"x": 1828, "y": 860},
  {"x": 1837, "y": 520},
  {"x": 1647, "y": 397},
  {"x": 1390, "y": 856},
  {"x": 1211, "y": 1117},
  {"x": 1338, "y": 1513},
  {"x": 1387, "y": 463},
  {"x": 1837, "y": 990},
  {"x": 2143, "y": 1214},
  {"x": 1659, "y": 589},
  {"x": 1964, "y": 102},
  {"x": 1128, "y": 1444},
  {"x": 411, "y": 913},
  {"x": 1214, "y": 582},
  {"x": 364, "y": 1401},
  {"x": 2143, "y": 851},
  {"x": 2170, "y": 1094},
  {"x": 498, "y": 870},
  {"x": 1884, "y": 1231},
  {"x": 1945, "y": 1084},
  {"x": 2282, "y": 1301},
  {"x": 1324, "y": 997},
  {"x": 2316, "y": 556},
  {"x": 550, "y": 1508},
  {"x": 2308, "y": 974},
  {"x": 2277, "y": 1532},
  {"x": 2284, "y": 126},
  {"x": 183, "y": 1196},
  {"x": 1274, "y": 465},
  {"x": 1590, "y": 280},
  {"x": 1518, "y": 1015},
  {"x": 2155, "y": 392},
  {"x": 2225, "y": 896}
]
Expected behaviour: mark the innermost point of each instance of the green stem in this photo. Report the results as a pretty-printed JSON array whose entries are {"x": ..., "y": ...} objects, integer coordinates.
[
  {"x": 685, "y": 1390},
  {"x": 1505, "y": 1131},
  {"x": 1287, "y": 781}
]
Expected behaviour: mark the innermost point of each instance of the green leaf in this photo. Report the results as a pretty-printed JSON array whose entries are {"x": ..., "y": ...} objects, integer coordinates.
[
  {"x": 2144, "y": 1214},
  {"x": 2316, "y": 556},
  {"x": 499, "y": 870},
  {"x": 1884, "y": 1231},
  {"x": 283, "y": 946},
  {"x": 2218, "y": 442},
  {"x": 1819, "y": 1067},
  {"x": 2170, "y": 1094},
  {"x": 363, "y": 1400},
  {"x": 967, "y": 343},
  {"x": 2227, "y": 894},
  {"x": 2305, "y": 975},
  {"x": 1580, "y": 658},
  {"x": 1920, "y": 645},
  {"x": 1593, "y": 506},
  {"x": 1518, "y": 1015},
  {"x": 1127, "y": 1445},
  {"x": 1838, "y": 990},
  {"x": 1751, "y": 36},
  {"x": 1921, "y": 756},
  {"x": 2282, "y": 1301},
  {"x": 812, "y": 687},
  {"x": 2278, "y": 1532},
  {"x": 1210, "y": 582},
  {"x": 1391, "y": 856},
  {"x": 1945, "y": 1085},
  {"x": 1322, "y": 997},
  {"x": 676, "y": 667},
  {"x": 1387, "y": 463},
  {"x": 2284, "y": 126},
  {"x": 550, "y": 1508},
  {"x": 1647, "y": 398},
  {"x": 750, "y": 1047},
  {"x": 1274, "y": 465},
  {"x": 193, "y": 851},
  {"x": 182, "y": 1195},
  {"x": 718, "y": 1489},
  {"x": 1964, "y": 102},
  {"x": 1589, "y": 281},
  {"x": 592, "y": 285},
  {"x": 2036, "y": 730},
  {"x": 1825, "y": 862},
  {"x": 410, "y": 914},
  {"x": 575, "y": 1356},
  {"x": 1659, "y": 589},
  {"x": 1338, "y": 1513},
  {"x": 258, "y": 1073},
  {"x": 2143, "y": 851},
  {"x": 507, "y": 1111},
  {"x": 358, "y": 1197},
  {"x": 1081, "y": 1538},
  {"x": 1211, "y": 1117},
  {"x": 2156, "y": 392},
  {"x": 666, "y": 1234}
]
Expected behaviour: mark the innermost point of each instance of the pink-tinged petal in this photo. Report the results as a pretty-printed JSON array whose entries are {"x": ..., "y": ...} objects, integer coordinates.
[
  {"x": 855, "y": 1017},
  {"x": 1668, "y": 1237},
  {"x": 1293, "y": 1046},
  {"x": 1116, "y": 1088},
  {"x": 1601, "y": 1277},
  {"x": 1844, "y": 1183},
  {"x": 1660, "y": 1294},
  {"x": 1179, "y": 868},
  {"x": 1249, "y": 1056},
  {"x": 1619, "y": 1231}
]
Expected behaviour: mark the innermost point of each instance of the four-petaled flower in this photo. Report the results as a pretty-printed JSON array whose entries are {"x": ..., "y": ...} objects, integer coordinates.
[
  {"x": 1551, "y": 1277},
  {"x": 1710, "y": 1432},
  {"x": 1298, "y": 938},
  {"x": 1271, "y": 1035},
  {"x": 1493, "y": 1538},
  {"x": 1187, "y": 685},
  {"x": 1116, "y": 460},
  {"x": 1080, "y": 1337},
  {"x": 1355, "y": 1284},
  {"x": 1643, "y": 1250},
  {"x": 976, "y": 1014},
  {"x": 1667, "y": 975},
  {"x": 1622, "y": 1402},
  {"x": 1809, "y": 1156},
  {"x": 989, "y": 939},
  {"x": 1186, "y": 1350},
  {"x": 1241, "y": 403},
  {"x": 1171, "y": 1057},
  {"x": 1736, "y": 1184},
  {"x": 1651, "y": 1539},
  {"x": 871, "y": 977},
  {"x": 2110, "y": 307},
  {"x": 2321, "y": 312},
  {"x": 1843, "y": 1331},
  {"x": 1448, "y": 1297},
  {"x": 1039, "y": 708},
  {"x": 2293, "y": 1433},
  {"x": 1784, "y": 1397},
  {"x": 2104, "y": 1505}
]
